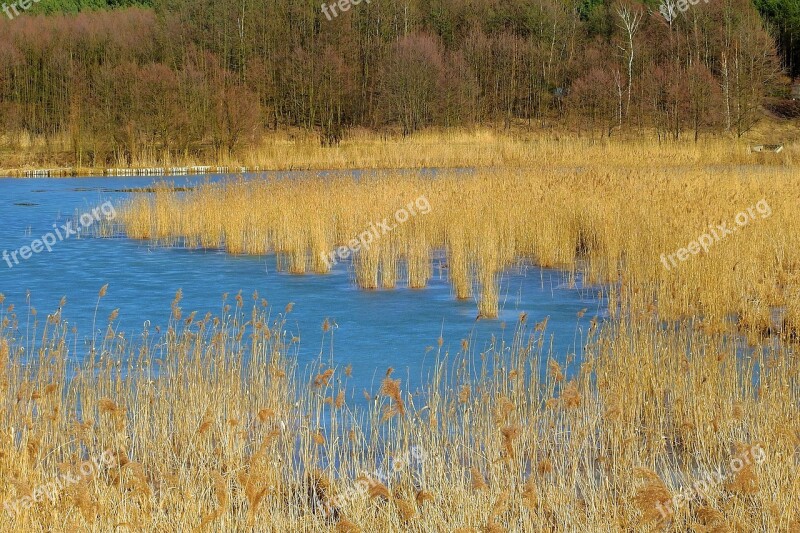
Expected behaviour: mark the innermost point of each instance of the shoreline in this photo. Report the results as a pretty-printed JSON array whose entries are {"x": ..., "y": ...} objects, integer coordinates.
[
  {"x": 763, "y": 166},
  {"x": 211, "y": 170},
  {"x": 441, "y": 149}
]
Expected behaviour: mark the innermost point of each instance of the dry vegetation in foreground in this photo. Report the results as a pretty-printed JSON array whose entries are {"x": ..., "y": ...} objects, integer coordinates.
[
  {"x": 610, "y": 223},
  {"x": 210, "y": 426}
]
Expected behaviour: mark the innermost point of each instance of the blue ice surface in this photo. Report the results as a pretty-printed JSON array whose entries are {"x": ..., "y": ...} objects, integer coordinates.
[{"x": 373, "y": 329}]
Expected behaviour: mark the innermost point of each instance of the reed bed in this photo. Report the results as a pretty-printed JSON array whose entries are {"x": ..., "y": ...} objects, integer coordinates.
[
  {"x": 607, "y": 226},
  {"x": 451, "y": 148},
  {"x": 484, "y": 147},
  {"x": 210, "y": 425}
]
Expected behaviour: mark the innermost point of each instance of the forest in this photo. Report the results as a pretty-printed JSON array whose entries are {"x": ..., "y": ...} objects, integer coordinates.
[{"x": 157, "y": 80}]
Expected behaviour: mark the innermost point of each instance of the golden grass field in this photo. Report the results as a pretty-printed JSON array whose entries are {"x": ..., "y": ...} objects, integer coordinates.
[
  {"x": 211, "y": 425},
  {"x": 450, "y": 148},
  {"x": 609, "y": 222}
]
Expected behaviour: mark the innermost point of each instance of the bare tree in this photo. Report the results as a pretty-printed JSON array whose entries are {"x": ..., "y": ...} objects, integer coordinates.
[
  {"x": 618, "y": 83},
  {"x": 629, "y": 22},
  {"x": 726, "y": 91}
]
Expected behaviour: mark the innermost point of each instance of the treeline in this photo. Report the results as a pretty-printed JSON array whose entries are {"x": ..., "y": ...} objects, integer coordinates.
[
  {"x": 194, "y": 77},
  {"x": 76, "y": 6},
  {"x": 783, "y": 19}
]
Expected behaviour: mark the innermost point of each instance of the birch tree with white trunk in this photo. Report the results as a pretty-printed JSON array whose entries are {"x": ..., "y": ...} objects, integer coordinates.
[{"x": 630, "y": 21}]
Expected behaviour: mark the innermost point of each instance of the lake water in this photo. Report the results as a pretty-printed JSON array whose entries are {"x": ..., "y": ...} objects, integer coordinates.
[{"x": 374, "y": 329}]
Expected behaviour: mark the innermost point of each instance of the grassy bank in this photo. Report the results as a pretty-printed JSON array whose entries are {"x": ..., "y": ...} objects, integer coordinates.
[{"x": 431, "y": 149}]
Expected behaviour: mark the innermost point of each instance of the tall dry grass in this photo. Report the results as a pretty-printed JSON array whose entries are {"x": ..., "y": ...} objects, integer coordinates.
[
  {"x": 609, "y": 225},
  {"x": 484, "y": 147},
  {"x": 210, "y": 425},
  {"x": 450, "y": 148}
]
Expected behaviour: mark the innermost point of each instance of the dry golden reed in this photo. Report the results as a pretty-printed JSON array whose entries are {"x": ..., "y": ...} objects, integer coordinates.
[
  {"x": 613, "y": 220},
  {"x": 651, "y": 496},
  {"x": 451, "y": 148},
  {"x": 478, "y": 481},
  {"x": 391, "y": 389},
  {"x": 175, "y": 463}
]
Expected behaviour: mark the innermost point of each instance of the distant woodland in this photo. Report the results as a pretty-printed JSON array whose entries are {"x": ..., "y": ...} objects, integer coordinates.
[{"x": 122, "y": 80}]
